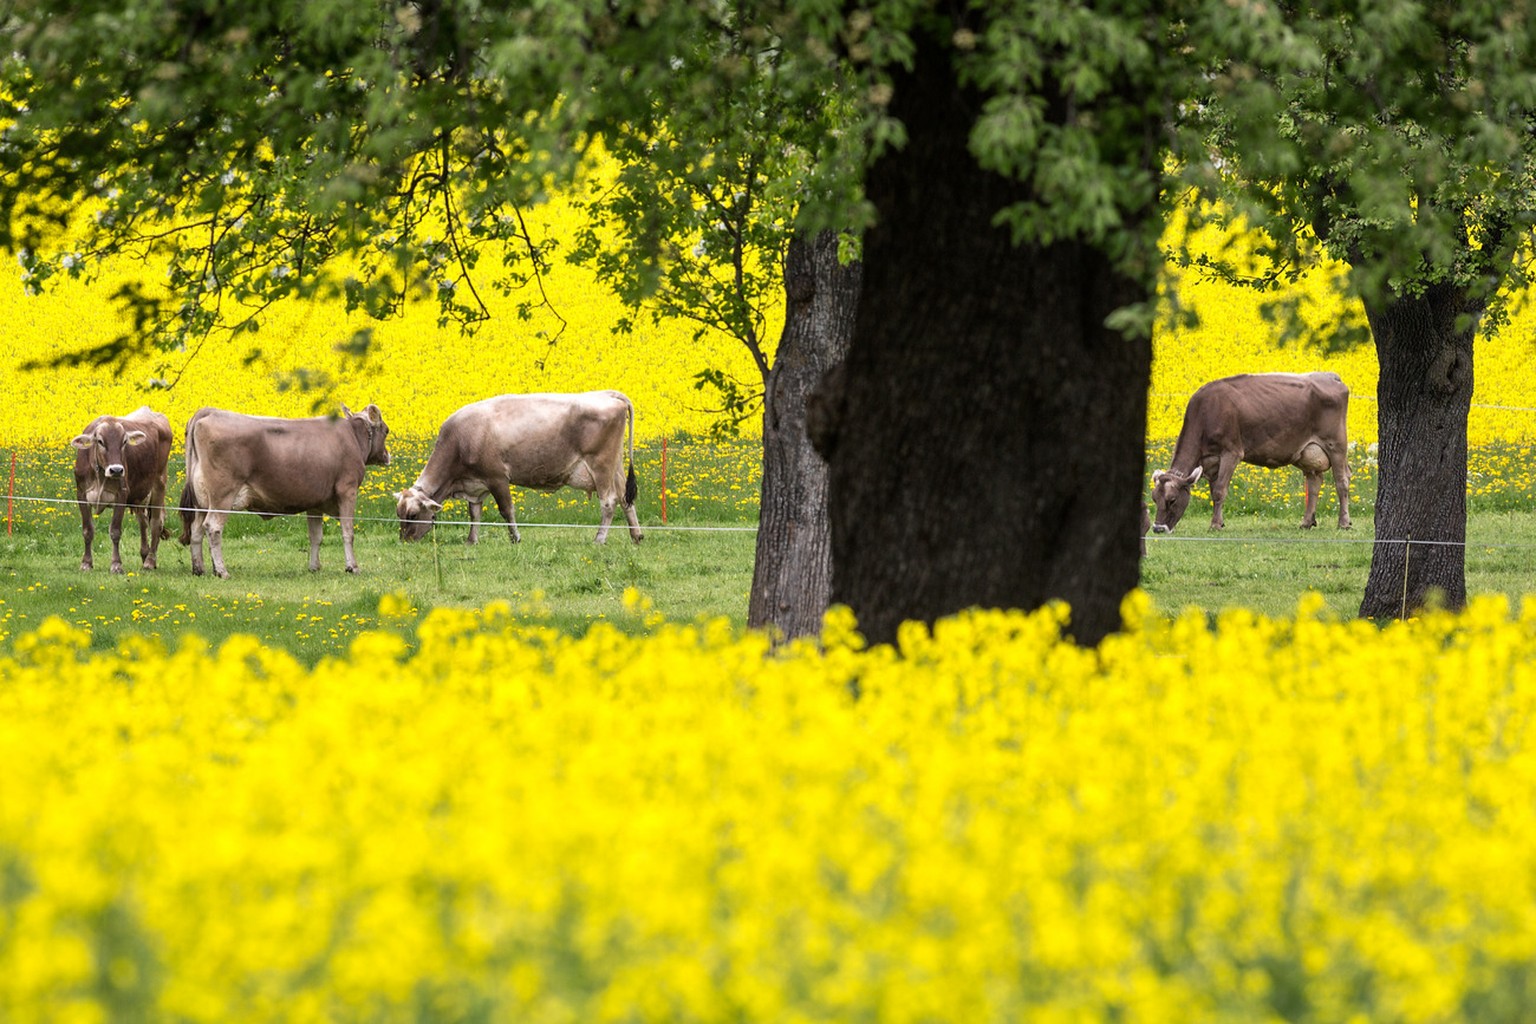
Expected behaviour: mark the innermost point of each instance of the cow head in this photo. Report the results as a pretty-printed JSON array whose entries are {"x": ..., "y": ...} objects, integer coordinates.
[
  {"x": 378, "y": 434},
  {"x": 105, "y": 442},
  {"x": 1170, "y": 496},
  {"x": 416, "y": 512}
]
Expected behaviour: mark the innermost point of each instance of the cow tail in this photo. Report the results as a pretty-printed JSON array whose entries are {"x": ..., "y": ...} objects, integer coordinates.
[
  {"x": 631, "y": 488},
  {"x": 189, "y": 499}
]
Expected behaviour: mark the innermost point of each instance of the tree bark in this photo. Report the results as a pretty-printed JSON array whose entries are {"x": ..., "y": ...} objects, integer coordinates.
[
  {"x": 1424, "y": 350},
  {"x": 792, "y": 575},
  {"x": 987, "y": 443}
]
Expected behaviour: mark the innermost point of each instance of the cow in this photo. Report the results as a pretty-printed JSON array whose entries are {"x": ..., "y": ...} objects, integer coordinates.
[
  {"x": 120, "y": 461},
  {"x": 276, "y": 467},
  {"x": 1269, "y": 420},
  {"x": 542, "y": 441}
]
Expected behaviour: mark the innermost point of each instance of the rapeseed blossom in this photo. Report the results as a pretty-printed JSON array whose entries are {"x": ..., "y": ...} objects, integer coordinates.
[{"x": 1234, "y": 819}]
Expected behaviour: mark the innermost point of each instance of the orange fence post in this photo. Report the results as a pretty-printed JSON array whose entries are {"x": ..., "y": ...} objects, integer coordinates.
[{"x": 663, "y": 481}]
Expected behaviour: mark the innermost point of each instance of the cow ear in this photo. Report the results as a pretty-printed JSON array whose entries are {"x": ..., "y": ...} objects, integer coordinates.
[
  {"x": 1195, "y": 475},
  {"x": 134, "y": 437},
  {"x": 435, "y": 506},
  {"x": 374, "y": 414},
  {"x": 85, "y": 442}
]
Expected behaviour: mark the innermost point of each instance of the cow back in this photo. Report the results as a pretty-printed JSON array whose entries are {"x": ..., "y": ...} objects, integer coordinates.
[
  {"x": 272, "y": 464},
  {"x": 534, "y": 440},
  {"x": 1269, "y": 417}
]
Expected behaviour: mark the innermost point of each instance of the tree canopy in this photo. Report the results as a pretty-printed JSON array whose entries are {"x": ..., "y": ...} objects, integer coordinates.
[{"x": 372, "y": 151}]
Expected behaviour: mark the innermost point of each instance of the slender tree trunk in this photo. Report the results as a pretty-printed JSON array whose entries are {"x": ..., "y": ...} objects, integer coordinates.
[
  {"x": 792, "y": 577},
  {"x": 1424, "y": 349},
  {"x": 988, "y": 440}
]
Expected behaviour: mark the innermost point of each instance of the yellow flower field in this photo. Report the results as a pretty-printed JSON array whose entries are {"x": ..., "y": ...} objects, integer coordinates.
[
  {"x": 418, "y": 373},
  {"x": 514, "y": 825}
]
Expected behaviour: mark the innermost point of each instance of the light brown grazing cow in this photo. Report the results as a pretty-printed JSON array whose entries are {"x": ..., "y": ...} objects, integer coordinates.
[
  {"x": 542, "y": 441},
  {"x": 120, "y": 461},
  {"x": 276, "y": 467},
  {"x": 1269, "y": 420}
]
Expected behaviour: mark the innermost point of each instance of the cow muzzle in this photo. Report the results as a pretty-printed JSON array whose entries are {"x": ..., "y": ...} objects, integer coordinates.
[
  {"x": 1161, "y": 528},
  {"x": 115, "y": 470}
]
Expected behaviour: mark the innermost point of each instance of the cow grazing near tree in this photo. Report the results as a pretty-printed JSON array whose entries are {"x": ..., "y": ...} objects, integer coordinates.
[
  {"x": 1269, "y": 420},
  {"x": 542, "y": 441},
  {"x": 276, "y": 467},
  {"x": 120, "y": 461}
]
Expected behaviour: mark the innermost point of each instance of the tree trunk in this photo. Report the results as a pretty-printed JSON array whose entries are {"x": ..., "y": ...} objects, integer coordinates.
[
  {"x": 1424, "y": 350},
  {"x": 989, "y": 438},
  {"x": 792, "y": 576}
]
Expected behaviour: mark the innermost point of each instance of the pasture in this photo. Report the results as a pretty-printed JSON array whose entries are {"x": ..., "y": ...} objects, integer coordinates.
[{"x": 696, "y": 566}]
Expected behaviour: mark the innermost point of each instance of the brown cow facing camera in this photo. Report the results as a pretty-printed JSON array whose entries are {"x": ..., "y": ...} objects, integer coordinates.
[{"x": 120, "y": 462}]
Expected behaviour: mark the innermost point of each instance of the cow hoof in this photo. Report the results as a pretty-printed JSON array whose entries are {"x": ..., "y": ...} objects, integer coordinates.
[
  {"x": 117, "y": 570},
  {"x": 1308, "y": 526},
  {"x": 222, "y": 574},
  {"x": 86, "y": 567},
  {"x": 352, "y": 569}
]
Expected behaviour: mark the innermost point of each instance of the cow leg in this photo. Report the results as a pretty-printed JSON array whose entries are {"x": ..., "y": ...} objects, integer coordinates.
[
  {"x": 503, "y": 495},
  {"x": 1220, "y": 480},
  {"x": 88, "y": 531},
  {"x": 155, "y": 519},
  {"x": 635, "y": 533},
  {"x": 316, "y": 530},
  {"x": 1341, "y": 484},
  {"x": 116, "y": 533},
  {"x": 475, "y": 507},
  {"x": 195, "y": 532},
  {"x": 213, "y": 526},
  {"x": 1314, "y": 483},
  {"x": 607, "y": 502},
  {"x": 346, "y": 514}
]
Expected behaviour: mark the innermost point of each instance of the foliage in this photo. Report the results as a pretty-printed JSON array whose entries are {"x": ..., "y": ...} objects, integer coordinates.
[
  {"x": 1400, "y": 145},
  {"x": 513, "y": 823},
  {"x": 344, "y": 150}
]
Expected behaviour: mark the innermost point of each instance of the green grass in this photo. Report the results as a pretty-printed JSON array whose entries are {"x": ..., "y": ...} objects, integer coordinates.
[
  {"x": 699, "y": 564},
  {"x": 558, "y": 577}
]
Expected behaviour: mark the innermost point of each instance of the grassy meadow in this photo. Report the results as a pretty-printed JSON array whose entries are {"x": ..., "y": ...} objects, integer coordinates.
[{"x": 560, "y": 783}]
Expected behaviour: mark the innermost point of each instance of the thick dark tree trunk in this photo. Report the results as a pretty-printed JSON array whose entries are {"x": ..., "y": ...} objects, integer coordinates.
[
  {"x": 792, "y": 577},
  {"x": 1424, "y": 349},
  {"x": 988, "y": 442}
]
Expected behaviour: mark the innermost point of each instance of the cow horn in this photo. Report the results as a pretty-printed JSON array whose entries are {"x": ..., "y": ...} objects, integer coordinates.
[
  {"x": 1196, "y": 474},
  {"x": 1157, "y": 476},
  {"x": 345, "y": 412}
]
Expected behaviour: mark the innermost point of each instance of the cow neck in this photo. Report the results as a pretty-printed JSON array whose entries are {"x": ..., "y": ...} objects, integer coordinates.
[
  {"x": 437, "y": 491},
  {"x": 1186, "y": 456},
  {"x": 364, "y": 438}
]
